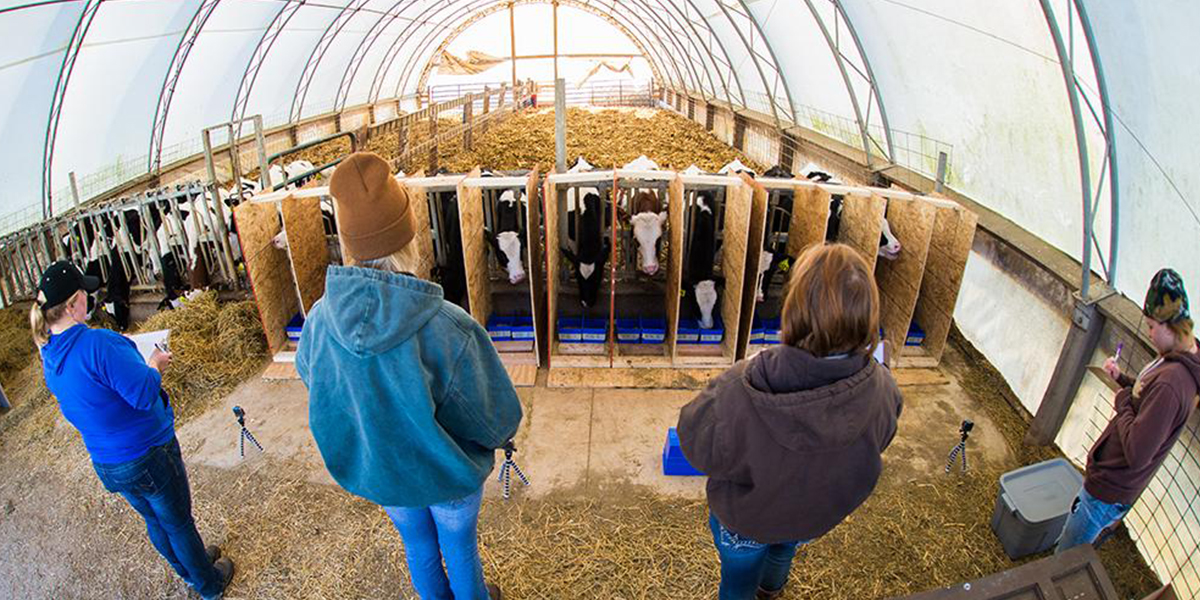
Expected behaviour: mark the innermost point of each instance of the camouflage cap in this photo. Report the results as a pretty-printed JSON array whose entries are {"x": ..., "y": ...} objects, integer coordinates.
[{"x": 1166, "y": 300}]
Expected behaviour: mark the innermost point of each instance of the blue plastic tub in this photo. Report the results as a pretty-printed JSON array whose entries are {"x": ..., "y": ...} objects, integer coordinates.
[
  {"x": 689, "y": 331},
  {"x": 673, "y": 460},
  {"x": 595, "y": 331},
  {"x": 714, "y": 334},
  {"x": 629, "y": 331},
  {"x": 654, "y": 331},
  {"x": 294, "y": 327},
  {"x": 499, "y": 328},
  {"x": 916, "y": 335},
  {"x": 522, "y": 328},
  {"x": 570, "y": 330}
]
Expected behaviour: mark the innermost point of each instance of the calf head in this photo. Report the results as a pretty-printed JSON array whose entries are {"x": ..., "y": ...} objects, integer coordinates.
[
  {"x": 509, "y": 243},
  {"x": 706, "y": 301},
  {"x": 765, "y": 259},
  {"x": 647, "y": 229},
  {"x": 889, "y": 245}
]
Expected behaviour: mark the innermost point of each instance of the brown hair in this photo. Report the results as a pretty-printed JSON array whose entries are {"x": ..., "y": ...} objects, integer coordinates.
[
  {"x": 832, "y": 303},
  {"x": 40, "y": 318}
]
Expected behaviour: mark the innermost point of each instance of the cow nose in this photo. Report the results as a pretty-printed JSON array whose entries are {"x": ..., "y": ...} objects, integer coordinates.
[
  {"x": 515, "y": 279},
  {"x": 651, "y": 269}
]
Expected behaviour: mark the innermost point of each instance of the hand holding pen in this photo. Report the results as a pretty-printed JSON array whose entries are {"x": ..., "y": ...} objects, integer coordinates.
[
  {"x": 1112, "y": 365},
  {"x": 160, "y": 359}
]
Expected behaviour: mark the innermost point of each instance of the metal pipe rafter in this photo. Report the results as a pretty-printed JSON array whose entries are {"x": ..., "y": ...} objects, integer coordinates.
[
  {"x": 314, "y": 58},
  {"x": 726, "y": 75},
  {"x": 364, "y": 46},
  {"x": 692, "y": 41},
  {"x": 839, "y": 60},
  {"x": 167, "y": 93},
  {"x": 86, "y": 16},
  {"x": 753, "y": 58},
  {"x": 874, "y": 83},
  {"x": 257, "y": 58},
  {"x": 781, "y": 78}
]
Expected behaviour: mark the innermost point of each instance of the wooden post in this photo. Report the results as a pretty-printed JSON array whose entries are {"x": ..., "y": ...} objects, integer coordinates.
[
  {"x": 433, "y": 141},
  {"x": 512, "y": 40},
  {"x": 469, "y": 117}
]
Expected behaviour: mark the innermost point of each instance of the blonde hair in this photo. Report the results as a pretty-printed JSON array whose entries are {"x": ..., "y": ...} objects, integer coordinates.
[
  {"x": 40, "y": 319},
  {"x": 401, "y": 261},
  {"x": 832, "y": 303}
]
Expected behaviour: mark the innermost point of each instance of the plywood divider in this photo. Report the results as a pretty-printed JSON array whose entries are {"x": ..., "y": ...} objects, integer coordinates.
[
  {"x": 810, "y": 218},
  {"x": 552, "y": 260},
  {"x": 308, "y": 252},
  {"x": 269, "y": 269},
  {"x": 474, "y": 247},
  {"x": 899, "y": 280},
  {"x": 739, "y": 199},
  {"x": 674, "y": 262},
  {"x": 535, "y": 262},
  {"x": 950, "y": 245},
  {"x": 754, "y": 239},
  {"x": 861, "y": 224},
  {"x": 421, "y": 256}
]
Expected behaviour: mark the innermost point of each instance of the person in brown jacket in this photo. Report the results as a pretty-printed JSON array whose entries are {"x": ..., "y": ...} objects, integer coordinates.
[
  {"x": 791, "y": 439},
  {"x": 1151, "y": 411}
]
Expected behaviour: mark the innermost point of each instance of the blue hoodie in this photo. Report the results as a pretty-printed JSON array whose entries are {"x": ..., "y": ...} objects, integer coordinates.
[
  {"x": 408, "y": 399},
  {"x": 105, "y": 389}
]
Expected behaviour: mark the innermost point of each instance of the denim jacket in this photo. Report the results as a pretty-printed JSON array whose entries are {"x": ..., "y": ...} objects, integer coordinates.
[{"x": 408, "y": 399}]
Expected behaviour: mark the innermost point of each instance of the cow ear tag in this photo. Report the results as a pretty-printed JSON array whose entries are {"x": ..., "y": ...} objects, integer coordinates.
[{"x": 785, "y": 264}]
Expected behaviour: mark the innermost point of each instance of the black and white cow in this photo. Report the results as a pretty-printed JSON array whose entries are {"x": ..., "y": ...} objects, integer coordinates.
[
  {"x": 736, "y": 166},
  {"x": 593, "y": 250},
  {"x": 700, "y": 285},
  {"x": 452, "y": 274},
  {"x": 774, "y": 250},
  {"x": 889, "y": 245},
  {"x": 508, "y": 241}
]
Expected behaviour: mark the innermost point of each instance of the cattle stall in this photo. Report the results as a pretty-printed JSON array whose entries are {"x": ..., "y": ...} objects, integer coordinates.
[
  {"x": 716, "y": 218},
  {"x": 648, "y": 259},
  {"x": 286, "y": 270},
  {"x": 438, "y": 245},
  {"x": 580, "y": 244},
  {"x": 500, "y": 216},
  {"x": 789, "y": 215}
]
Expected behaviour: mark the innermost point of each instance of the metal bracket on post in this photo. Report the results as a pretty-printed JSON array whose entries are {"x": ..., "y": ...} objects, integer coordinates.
[
  {"x": 940, "y": 183},
  {"x": 560, "y": 125},
  {"x": 1087, "y": 323}
]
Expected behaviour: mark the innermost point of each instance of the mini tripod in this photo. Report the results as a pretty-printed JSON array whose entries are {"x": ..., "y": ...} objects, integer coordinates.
[
  {"x": 964, "y": 431},
  {"x": 508, "y": 468},
  {"x": 245, "y": 435}
]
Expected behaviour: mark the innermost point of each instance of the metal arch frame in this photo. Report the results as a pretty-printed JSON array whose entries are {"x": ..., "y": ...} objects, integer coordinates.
[
  {"x": 86, "y": 16},
  {"x": 782, "y": 79},
  {"x": 870, "y": 76},
  {"x": 838, "y": 58},
  {"x": 1071, "y": 81},
  {"x": 729, "y": 74},
  {"x": 257, "y": 58},
  {"x": 339, "y": 21},
  {"x": 754, "y": 58},
  {"x": 167, "y": 93},
  {"x": 675, "y": 35},
  {"x": 368, "y": 40},
  {"x": 460, "y": 28}
]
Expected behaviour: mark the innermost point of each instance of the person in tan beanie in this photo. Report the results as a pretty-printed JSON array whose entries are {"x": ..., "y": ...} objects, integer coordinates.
[{"x": 408, "y": 400}]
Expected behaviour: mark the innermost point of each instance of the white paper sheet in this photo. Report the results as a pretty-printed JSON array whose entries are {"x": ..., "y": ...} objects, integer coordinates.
[{"x": 146, "y": 341}]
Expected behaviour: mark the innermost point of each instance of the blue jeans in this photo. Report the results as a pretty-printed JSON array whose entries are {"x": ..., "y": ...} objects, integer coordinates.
[
  {"x": 445, "y": 531},
  {"x": 747, "y": 565},
  {"x": 156, "y": 486},
  {"x": 1088, "y": 518}
]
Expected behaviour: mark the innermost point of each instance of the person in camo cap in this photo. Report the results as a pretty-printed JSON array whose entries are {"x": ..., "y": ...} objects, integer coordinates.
[{"x": 1151, "y": 411}]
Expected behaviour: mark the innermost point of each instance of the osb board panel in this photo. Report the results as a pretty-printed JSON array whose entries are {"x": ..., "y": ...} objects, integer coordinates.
[
  {"x": 661, "y": 361},
  {"x": 522, "y": 375},
  {"x": 899, "y": 280},
  {"x": 535, "y": 269},
  {"x": 861, "y": 224},
  {"x": 550, "y": 243},
  {"x": 907, "y": 377},
  {"x": 674, "y": 378},
  {"x": 280, "y": 371},
  {"x": 738, "y": 200},
  {"x": 950, "y": 246},
  {"x": 269, "y": 269},
  {"x": 474, "y": 248},
  {"x": 674, "y": 261},
  {"x": 422, "y": 244},
  {"x": 810, "y": 219},
  {"x": 514, "y": 357},
  {"x": 307, "y": 247},
  {"x": 754, "y": 239}
]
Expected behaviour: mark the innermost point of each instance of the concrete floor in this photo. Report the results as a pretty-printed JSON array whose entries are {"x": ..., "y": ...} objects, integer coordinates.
[{"x": 576, "y": 441}]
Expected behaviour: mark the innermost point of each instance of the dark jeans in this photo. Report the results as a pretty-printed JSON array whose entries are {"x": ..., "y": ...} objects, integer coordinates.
[
  {"x": 156, "y": 485},
  {"x": 747, "y": 565}
]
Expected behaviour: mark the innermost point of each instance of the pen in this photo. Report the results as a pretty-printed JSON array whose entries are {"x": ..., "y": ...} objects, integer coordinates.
[{"x": 1120, "y": 347}]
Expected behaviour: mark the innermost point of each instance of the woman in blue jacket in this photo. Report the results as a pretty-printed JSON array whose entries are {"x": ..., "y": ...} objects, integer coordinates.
[
  {"x": 115, "y": 400},
  {"x": 408, "y": 400}
]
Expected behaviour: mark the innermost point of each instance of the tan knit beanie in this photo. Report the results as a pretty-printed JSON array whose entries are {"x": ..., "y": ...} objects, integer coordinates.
[{"x": 374, "y": 214}]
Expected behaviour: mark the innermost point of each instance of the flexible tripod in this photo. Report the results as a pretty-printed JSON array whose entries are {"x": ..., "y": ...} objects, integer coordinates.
[
  {"x": 245, "y": 435},
  {"x": 964, "y": 431},
  {"x": 508, "y": 468}
]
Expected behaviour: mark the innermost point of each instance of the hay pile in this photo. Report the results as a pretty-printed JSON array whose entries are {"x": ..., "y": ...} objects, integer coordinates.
[
  {"x": 215, "y": 346},
  {"x": 604, "y": 137}
]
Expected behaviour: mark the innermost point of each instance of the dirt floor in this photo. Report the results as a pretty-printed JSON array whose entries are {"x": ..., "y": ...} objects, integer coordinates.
[{"x": 599, "y": 521}]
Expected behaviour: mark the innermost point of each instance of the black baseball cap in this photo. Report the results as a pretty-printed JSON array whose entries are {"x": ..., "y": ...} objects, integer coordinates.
[{"x": 61, "y": 280}]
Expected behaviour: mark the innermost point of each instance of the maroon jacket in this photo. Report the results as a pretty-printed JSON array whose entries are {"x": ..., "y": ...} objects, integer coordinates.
[
  {"x": 1151, "y": 413},
  {"x": 790, "y": 442}
]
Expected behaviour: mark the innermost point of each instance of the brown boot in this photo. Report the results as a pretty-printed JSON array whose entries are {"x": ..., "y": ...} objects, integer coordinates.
[
  {"x": 768, "y": 595},
  {"x": 494, "y": 591}
]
